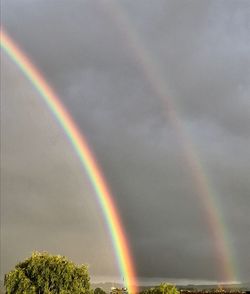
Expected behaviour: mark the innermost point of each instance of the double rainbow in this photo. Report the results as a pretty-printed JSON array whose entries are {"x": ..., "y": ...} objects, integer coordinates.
[
  {"x": 85, "y": 155},
  {"x": 203, "y": 188}
]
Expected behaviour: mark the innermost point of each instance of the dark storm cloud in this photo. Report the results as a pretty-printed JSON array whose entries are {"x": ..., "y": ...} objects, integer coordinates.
[{"x": 201, "y": 49}]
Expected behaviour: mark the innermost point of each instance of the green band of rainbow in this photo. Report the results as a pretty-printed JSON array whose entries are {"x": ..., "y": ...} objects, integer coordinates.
[{"x": 85, "y": 155}]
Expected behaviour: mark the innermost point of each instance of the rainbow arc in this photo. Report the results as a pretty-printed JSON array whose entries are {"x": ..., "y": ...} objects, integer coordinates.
[{"x": 86, "y": 157}]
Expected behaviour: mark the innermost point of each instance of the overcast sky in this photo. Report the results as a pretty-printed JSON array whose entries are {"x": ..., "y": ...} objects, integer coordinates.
[{"x": 101, "y": 58}]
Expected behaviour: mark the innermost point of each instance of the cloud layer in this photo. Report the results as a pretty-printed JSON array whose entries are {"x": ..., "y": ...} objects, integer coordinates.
[{"x": 201, "y": 52}]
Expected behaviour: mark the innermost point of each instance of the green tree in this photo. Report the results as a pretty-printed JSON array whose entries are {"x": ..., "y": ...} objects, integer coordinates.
[
  {"x": 99, "y": 291},
  {"x": 43, "y": 273},
  {"x": 162, "y": 289}
]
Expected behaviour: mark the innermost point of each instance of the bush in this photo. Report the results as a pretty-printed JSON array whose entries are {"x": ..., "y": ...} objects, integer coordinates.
[
  {"x": 162, "y": 289},
  {"x": 47, "y": 274}
]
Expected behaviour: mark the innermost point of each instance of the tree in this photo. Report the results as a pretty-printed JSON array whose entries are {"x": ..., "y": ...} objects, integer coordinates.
[
  {"x": 43, "y": 273},
  {"x": 99, "y": 291},
  {"x": 162, "y": 289}
]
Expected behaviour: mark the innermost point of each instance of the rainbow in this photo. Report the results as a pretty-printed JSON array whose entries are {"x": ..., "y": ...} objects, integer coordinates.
[
  {"x": 207, "y": 197},
  {"x": 80, "y": 145}
]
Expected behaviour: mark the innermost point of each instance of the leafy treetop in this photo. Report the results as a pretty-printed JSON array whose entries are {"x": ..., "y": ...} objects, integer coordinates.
[
  {"x": 99, "y": 291},
  {"x": 162, "y": 289},
  {"x": 43, "y": 273}
]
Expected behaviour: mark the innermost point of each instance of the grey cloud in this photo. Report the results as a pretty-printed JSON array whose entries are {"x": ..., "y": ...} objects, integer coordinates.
[{"x": 201, "y": 49}]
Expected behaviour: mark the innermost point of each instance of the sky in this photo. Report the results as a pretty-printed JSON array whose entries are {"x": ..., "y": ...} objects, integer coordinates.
[{"x": 130, "y": 72}]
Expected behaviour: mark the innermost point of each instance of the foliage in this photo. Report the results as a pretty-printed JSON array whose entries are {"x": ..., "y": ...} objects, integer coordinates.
[
  {"x": 43, "y": 273},
  {"x": 162, "y": 289},
  {"x": 99, "y": 291}
]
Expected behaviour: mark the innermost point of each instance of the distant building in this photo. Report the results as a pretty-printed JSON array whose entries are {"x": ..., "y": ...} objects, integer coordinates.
[{"x": 119, "y": 290}]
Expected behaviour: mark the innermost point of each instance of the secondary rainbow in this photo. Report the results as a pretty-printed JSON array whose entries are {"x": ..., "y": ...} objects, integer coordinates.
[
  {"x": 207, "y": 197},
  {"x": 85, "y": 155}
]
